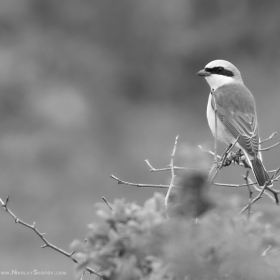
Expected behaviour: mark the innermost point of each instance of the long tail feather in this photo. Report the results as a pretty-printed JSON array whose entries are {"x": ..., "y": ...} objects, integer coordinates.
[{"x": 260, "y": 172}]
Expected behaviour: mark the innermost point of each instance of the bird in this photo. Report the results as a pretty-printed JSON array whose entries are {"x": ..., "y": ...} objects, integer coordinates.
[{"x": 236, "y": 114}]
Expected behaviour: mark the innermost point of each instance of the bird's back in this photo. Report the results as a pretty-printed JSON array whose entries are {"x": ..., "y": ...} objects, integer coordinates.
[{"x": 235, "y": 98}]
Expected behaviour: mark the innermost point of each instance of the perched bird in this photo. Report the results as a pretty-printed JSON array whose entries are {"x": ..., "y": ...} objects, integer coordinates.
[{"x": 236, "y": 111}]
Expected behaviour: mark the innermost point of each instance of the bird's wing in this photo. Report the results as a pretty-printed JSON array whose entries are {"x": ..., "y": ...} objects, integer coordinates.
[{"x": 237, "y": 112}]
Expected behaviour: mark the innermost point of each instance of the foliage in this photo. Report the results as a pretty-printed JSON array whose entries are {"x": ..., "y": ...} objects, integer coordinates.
[{"x": 199, "y": 238}]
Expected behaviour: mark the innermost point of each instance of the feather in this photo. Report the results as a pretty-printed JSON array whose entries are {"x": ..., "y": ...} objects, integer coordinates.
[{"x": 236, "y": 110}]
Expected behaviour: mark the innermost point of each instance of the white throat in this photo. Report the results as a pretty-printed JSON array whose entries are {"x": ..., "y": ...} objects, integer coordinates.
[{"x": 215, "y": 81}]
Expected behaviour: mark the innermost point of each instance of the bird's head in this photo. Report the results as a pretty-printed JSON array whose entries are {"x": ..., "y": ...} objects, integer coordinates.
[{"x": 220, "y": 72}]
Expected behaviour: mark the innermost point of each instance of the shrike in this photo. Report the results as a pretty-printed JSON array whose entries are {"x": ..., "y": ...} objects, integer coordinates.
[{"x": 236, "y": 113}]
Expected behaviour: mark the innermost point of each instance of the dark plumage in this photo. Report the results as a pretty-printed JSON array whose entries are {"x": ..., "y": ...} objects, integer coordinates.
[{"x": 220, "y": 71}]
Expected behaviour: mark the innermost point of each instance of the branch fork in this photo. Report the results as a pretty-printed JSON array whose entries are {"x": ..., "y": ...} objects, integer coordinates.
[{"x": 227, "y": 158}]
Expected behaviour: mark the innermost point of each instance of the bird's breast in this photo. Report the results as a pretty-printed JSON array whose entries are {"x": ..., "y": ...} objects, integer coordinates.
[{"x": 223, "y": 134}]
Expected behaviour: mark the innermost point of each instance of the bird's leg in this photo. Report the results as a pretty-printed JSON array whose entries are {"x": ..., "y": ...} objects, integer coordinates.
[
  {"x": 225, "y": 160},
  {"x": 241, "y": 158},
  {"x": 230, "y": 159},
  {"x": 225, "y": 154},
  {"x": 236, "y": 158},
  {"x": 217, "y": 167}
]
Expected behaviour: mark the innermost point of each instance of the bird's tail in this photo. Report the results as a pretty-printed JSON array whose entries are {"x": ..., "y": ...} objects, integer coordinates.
[{"x": 260, "y": 172}]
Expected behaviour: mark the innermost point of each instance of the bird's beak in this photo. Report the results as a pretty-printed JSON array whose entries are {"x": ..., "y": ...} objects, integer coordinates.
[{"x": 203, "y": 73}]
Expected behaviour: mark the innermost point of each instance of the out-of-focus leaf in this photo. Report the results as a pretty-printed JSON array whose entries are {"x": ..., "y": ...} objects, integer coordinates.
[{"x": 140, "y": 242}]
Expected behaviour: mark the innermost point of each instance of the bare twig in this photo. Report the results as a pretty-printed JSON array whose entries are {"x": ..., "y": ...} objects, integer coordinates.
[
  {"x": 236, "y": 157},
  {"x": 265, "y": 192},
  {"x": 258, "y": 189},
  {"x": 42, "y": 236},
  {"x": 107, "y": 203},
  {"x": 234, "y": 185},
  {"x": 172, "y": 172},
  {"x": 277, "y": 178},
  {"x": 270, "y": 147},
  {"x": 82, "y": 275},
  {"x": 271, "y": 171},
  {"x": 254, "y": 184},
  {"x": 259, "y": 196},
  {"x": 225, "y": 159},
  {"x": 271, "y": 190},
  {"x": 166, "y": 186},
  {"x": 243, "y": 162},
  {"x": 208, "y": 151},
  {"x": 267, "y": 251},
  {"x": 250, "y": 192},
  {"x": 269, "y": 138},
  {"x": 152, "y": 169},
  {"x": 121, "y": 182},
  {"x": 218, "y": 166}
]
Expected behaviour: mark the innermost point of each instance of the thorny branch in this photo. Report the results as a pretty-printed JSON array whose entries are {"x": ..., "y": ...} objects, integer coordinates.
[
  {"x": 172, "y": 172},
  {"x": 219, "y": 165},
  {"x": 237, "y": 157},
  {"x": 42, "y": 236},
  {"x": 152, "y": 169},
  {"x": 261, "y": 193},
  {"x": 107, "y": 203},
  {"x": 246, "y": 178},
  {"x": 270, "y": 147},
  {"x": 121, "y": 182},
  {"x": 234, "y": 185},
  {"x": 166, "y": 186},
  {"x": 269, "y": 138},
  {"x": 226, "y": 159},
  {"x": 208, "y": 151}
]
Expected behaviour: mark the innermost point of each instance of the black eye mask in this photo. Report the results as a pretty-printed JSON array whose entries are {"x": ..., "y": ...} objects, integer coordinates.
[{"x": 219, "y": 71}]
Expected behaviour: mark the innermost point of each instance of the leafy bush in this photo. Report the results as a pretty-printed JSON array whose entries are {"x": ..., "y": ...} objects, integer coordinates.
[{"x": 198, "y": 238}]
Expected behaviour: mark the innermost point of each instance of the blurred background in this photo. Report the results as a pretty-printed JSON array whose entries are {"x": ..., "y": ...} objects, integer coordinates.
[{"x": 94, "y": 87}]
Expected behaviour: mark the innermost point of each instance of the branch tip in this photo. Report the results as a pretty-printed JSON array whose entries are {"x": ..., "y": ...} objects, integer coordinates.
[
  {"x": 136, "y": 184},
  {"x": 171, "y": 185},
  {"x": 150, "y": 166},
  {"x": 107, "y": 203},
  {"x": 270, "y": 147},
  {"x": 269, "y": 138}
]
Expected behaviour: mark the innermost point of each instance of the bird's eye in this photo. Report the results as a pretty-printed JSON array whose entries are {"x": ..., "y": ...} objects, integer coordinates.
[{"x": 220, "y": 69}]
